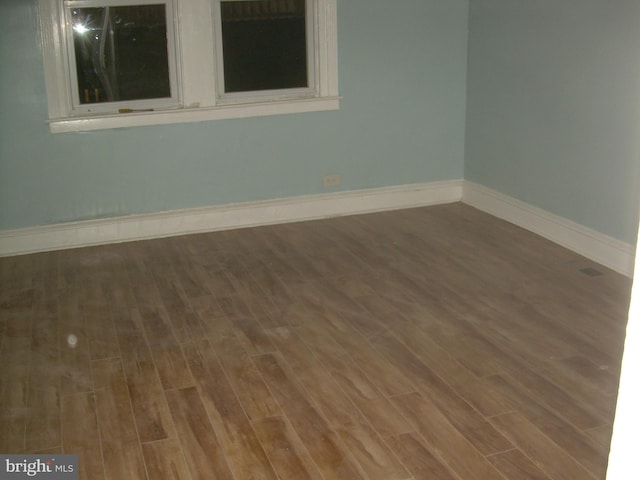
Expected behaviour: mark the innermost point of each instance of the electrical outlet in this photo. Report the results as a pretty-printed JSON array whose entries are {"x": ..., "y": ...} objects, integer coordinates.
[{"x": 332, "y": 180}]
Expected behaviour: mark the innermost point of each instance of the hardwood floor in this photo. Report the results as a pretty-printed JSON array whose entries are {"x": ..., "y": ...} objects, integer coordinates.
[{"x": 430, "y": 343}]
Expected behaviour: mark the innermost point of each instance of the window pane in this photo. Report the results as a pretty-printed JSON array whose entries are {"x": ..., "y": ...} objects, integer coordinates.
[
  {"x": 121, "y": 53},
  {"x": 264, "y": 45}
]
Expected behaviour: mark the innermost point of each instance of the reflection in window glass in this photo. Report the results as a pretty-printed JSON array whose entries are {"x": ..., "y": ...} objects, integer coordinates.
[
  {"x": 121, "y": 53},
  {"x": 264, "y": 45}
]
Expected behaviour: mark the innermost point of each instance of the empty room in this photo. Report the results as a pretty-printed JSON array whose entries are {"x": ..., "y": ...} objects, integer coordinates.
[{"x": 318, "y": 239}]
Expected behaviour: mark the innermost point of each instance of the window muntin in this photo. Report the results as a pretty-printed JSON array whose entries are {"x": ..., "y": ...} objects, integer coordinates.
[
  {"x": 121, "y": 54},
  {"x": 265, "y": 49}
]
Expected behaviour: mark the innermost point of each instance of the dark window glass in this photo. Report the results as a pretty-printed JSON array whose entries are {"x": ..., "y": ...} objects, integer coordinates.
[
  {"x": 121, "y": 53},
  {"x": 264, "y": 45}
]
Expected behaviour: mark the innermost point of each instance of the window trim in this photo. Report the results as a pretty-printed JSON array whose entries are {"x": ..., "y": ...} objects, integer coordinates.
[{"x": 197, "y": 74}]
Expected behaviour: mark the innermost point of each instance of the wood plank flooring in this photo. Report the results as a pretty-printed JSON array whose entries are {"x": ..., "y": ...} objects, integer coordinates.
[{"x": 430, "y": 343}]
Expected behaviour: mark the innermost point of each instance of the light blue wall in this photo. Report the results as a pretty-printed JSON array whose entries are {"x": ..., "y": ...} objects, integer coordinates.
[
  {"x": 403, "y": 78},
  {"x": 553, "y": 113},
  {"x": 553, "y": 119}
]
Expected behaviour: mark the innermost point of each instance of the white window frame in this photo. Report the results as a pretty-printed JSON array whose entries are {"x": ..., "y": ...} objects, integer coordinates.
[
  {"x": 225, "y": 98},
  {"x": 172, "y": 101},
  {"x": 198, "y": 92}
]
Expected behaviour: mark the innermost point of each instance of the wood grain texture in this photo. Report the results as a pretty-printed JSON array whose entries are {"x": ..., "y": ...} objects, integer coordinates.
[
  {"x": 365, "y": 444},
  {"x": 534, "y": 444},
  {"x": 253, "y": 394},
  {"x": 119, "y": 438},
  {"x": 149, "y": 404},
  {"x": 200, "y": 444},
  {"x": 565, "y": 435},
  {"x": 81, "y": 435},
  {"x": 459, "y": 413},
  {"x": 164, "y": 460},
  {"x": 43, "y": 429},
  {"x": 429, "y": 343},
  {"x": 413, "y": 452},
  {"x": 241, "y": 447},
  {"x": 285, "y": 450},
  {"x": 447, "y": 443},
  {"x": 325, "y": 446},
  {"x": 515, "y": 464},
  {"x": 14, "y": 393}
]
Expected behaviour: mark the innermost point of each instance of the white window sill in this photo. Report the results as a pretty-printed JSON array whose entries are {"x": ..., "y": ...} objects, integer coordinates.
[{"x": 184, "y": 115}]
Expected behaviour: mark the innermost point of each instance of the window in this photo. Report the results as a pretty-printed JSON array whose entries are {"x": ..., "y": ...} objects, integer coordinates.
[
  {"x": 263, "y": 47},
  {"x": 119, "y": 63},
  {"x": 121, "y": 56}
]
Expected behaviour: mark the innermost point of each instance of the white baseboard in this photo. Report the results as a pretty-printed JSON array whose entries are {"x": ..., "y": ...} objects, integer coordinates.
[
  {"x": 601, "y": 248},
  {"x": 222, "y": 217}
]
